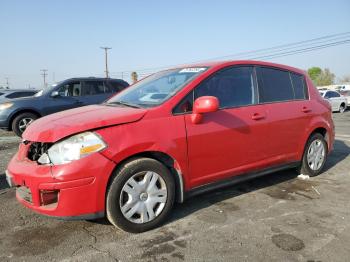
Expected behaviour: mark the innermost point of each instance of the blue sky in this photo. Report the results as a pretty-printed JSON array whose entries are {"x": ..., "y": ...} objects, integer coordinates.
[{"x": 65, "y": 36}]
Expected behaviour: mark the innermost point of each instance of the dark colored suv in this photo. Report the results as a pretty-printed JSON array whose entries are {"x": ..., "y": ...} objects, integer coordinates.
[{"x": 17, "y": 114}]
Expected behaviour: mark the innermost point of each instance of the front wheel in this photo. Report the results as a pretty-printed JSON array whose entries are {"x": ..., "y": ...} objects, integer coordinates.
[
  {"x": 140, "y": 196},
  {"x": 342, "y": 108},
  {"x": 315, "y": 155},
  {"x": 22, "y": 121}
]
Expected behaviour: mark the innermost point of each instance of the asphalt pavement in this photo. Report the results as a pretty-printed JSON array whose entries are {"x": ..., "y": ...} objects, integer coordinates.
[{"x": 274, "y": 218}]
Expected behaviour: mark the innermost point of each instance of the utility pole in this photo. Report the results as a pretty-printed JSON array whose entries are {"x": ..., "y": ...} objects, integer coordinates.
[
  {"x": 7, "y": 83},
  {"x": 44, "y": 74},
  {"x": 106, "y": 59}
]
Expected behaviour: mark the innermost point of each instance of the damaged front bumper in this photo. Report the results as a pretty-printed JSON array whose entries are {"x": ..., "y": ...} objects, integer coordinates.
[{"x": 71, "y": 191}]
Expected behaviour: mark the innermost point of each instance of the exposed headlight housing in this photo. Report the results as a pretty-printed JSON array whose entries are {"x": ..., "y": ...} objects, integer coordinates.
[
  {"x": 5, "y": 105},
  {"x": 73, "y": 148}
]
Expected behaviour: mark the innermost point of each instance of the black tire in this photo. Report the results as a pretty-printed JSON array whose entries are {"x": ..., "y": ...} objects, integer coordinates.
[
  {"x": 305, "y": 167},
  {"x": 18, "y": 120},
  {"x": 342, "y": 108},
  {"x": 119, "y": 179}
]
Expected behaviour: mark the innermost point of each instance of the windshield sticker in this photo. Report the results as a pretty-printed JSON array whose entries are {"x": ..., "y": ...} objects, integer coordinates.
[{"x": 192, "y": 70}]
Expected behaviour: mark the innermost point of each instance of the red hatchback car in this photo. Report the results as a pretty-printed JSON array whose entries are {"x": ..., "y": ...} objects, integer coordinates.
[{"x": 175, "y": 134}]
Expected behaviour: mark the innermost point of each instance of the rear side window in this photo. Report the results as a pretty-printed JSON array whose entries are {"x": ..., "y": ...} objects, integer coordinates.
[
  {"x": 299, "y": 86},
  {"x": 114, "y": 87},
  {"x": 93, "y": 88},
  {"x": 274, "y": 85},
  {"x": 331, "y": 94}
]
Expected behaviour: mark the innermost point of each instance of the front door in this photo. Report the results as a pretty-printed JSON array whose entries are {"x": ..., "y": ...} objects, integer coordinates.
[
  {"x": 232, "y": 140},
  {"x": 68, "y": 98}
]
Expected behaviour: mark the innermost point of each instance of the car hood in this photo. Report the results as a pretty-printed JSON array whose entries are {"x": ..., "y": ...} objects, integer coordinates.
[{"x": 59, "y": 125}]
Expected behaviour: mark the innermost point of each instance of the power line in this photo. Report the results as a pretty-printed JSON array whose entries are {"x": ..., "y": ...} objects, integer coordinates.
[
  {"x": 303, "y": 50},
  {"x": 325, "y": 41},
  {"x": 106, "y": 59}
]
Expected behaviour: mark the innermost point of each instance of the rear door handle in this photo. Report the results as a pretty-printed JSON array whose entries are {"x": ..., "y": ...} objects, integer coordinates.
[
  {"x": 257, "y": 116},
  {"x": 306, "y": 109}
]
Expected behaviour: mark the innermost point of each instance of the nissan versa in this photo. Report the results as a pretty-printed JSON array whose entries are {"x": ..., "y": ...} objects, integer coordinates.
[{"x": 175, "y": 134}]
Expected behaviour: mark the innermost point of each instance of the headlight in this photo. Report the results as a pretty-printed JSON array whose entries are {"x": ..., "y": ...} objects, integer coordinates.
[
  {"x": 5, "y": 106},
  {"x": 73, "y": 148}
]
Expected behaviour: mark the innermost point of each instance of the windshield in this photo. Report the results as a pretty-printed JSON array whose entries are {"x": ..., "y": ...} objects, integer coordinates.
[
  {"x": 46, "y": 90},
  {"x": 156, "y": 89},
  {"x": 40, "y": 93}
]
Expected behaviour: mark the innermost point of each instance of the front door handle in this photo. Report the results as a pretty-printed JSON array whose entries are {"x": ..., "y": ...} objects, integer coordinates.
[
  {"x": 305, "y": 109},
  {"x": 257, "y": 116}
]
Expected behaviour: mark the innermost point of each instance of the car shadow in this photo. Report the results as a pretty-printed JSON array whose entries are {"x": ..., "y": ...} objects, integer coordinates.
[
  {"x": 340, "y": 152},
  {"x": 205, "y": 200}
]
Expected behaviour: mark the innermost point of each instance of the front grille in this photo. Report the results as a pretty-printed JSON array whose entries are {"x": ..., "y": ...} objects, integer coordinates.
[
  {"x": 24, "y": 193},
  {"x": 36, "y": 149}
]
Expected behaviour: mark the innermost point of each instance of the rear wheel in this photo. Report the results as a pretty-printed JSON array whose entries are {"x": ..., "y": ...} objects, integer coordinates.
[
  {"x": 140, "y": 196},
  {"x": 22, "y": 121},
  {"x": 342, "y": 108},
  {"x": 315, "y": 155}
]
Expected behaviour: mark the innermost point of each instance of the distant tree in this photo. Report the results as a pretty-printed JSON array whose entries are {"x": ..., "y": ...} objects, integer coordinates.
[
  {"x": 321, "y": 77},
  {"x": 326, "y": 78},
  {"x": 314, "y": 72}
]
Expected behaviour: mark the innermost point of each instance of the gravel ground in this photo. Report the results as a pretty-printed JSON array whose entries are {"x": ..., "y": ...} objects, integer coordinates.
[{"x": 274, "y": 218}]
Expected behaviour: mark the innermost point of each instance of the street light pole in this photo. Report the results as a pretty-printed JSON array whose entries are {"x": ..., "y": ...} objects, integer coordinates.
[{"x": 106, "y": 59}]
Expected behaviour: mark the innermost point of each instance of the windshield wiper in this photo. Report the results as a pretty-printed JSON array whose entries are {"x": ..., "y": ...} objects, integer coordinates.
[{"x": 125, "y": 104}]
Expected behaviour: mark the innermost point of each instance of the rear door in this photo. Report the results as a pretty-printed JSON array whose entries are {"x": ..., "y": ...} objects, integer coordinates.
[
  {"x": 232, "y": 140},
  {"x": 285, "y": 97},
  {"x": 93, "y": 92}
]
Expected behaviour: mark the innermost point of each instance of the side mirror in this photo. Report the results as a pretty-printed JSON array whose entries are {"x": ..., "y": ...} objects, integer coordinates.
[
  {"x": 55, "y": 94},
  {"x": 204, "y": 104}
]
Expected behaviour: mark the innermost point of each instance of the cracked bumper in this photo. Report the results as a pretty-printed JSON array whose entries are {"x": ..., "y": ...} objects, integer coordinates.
[{"x": 80, "y": 186}]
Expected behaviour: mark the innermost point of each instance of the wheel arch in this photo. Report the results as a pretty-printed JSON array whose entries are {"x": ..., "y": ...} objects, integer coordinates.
[
  {"x": 166, "y": 160},
  {"x": 29, "y": 110},
  {"x": 317, "y": 129}
]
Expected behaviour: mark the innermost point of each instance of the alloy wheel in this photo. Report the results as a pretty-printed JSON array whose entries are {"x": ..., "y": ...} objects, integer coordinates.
[{"x": 24, "y": 123}]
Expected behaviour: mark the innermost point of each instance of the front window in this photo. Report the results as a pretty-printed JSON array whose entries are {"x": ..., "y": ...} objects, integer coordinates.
[
  {"x": 70, "y": 89},
  {"x": 158, "y": 88}
]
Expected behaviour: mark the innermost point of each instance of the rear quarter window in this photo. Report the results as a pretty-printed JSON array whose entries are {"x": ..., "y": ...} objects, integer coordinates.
[{"x": 299, "y": 86}]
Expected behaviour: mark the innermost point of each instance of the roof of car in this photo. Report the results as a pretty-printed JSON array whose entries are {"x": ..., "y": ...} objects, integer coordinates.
[
  {"x": 93, "y": 78},
  {"x": 19, "y": 90},
  {"x": 242, "y": 62}
]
